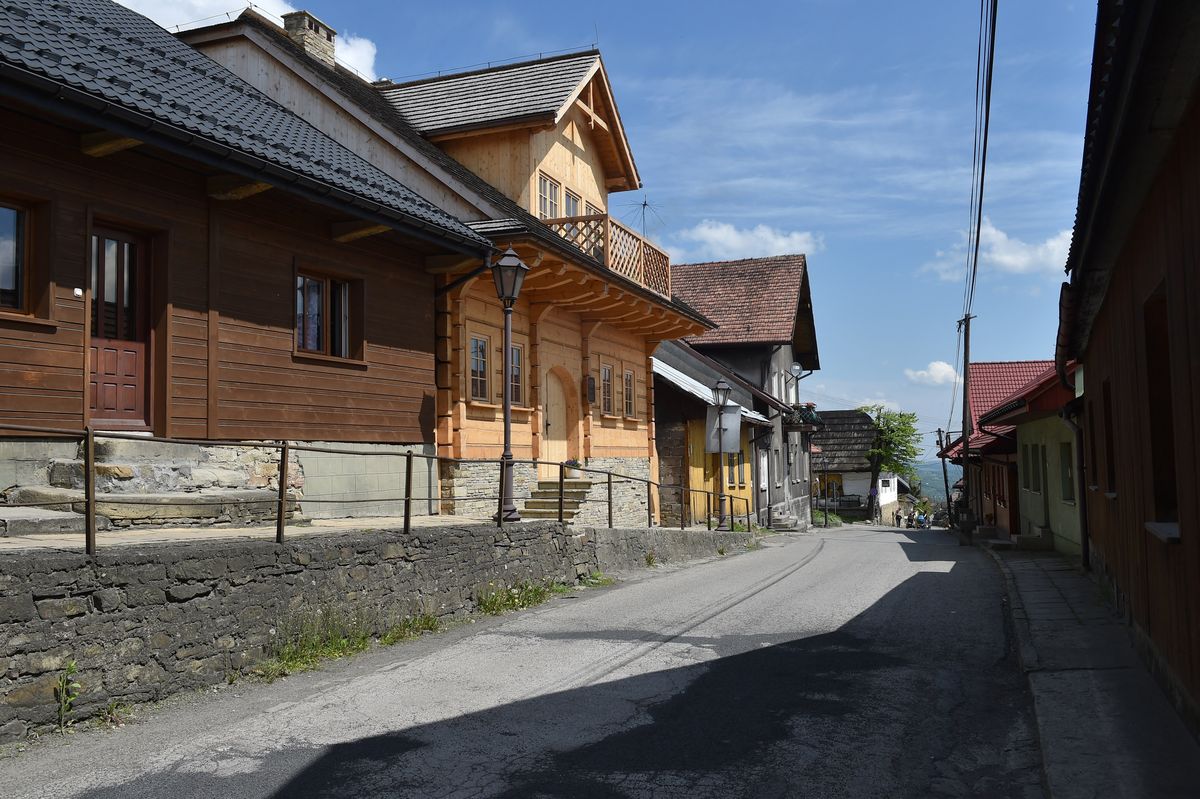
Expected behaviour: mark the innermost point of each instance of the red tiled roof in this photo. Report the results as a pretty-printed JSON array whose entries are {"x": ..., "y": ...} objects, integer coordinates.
[
  {"x": 990, "y": 384},
  {"x": 753, "y": 301}
]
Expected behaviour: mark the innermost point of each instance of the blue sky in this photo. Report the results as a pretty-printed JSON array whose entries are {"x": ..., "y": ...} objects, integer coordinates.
[{"x": 839, "y": 128}]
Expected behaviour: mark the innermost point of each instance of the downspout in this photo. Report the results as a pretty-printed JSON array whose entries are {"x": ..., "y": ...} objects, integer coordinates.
[{"x": 1085, "y": 546}]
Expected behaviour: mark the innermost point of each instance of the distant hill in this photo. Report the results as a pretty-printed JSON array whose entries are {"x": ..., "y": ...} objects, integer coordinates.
[{"x": 930, "y": 474}]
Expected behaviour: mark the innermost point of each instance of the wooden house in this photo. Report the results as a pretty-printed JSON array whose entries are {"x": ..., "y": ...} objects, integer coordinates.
[
  {"x": 842, "y": 469},
  {"x": 1128, "y": 317},
  {"x": 1046, "y": 461},
  {"x": 767, "y": 336},
  {"x": 991, "y": 475},
  {"x": 683, "y": 392},
  {"x": 527, "y": 154},
  {"x": 183, "y": 256}
]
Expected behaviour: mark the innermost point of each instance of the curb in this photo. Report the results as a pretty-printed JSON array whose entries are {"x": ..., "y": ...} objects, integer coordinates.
[{"x": 1025, "y": 648}]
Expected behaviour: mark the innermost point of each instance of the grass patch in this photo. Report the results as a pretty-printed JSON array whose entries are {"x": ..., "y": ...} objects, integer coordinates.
[
  {"x": 305, "y": 640},
  {"x": 497, "y": 598},
  {"x": 651, "y": 559},
  {"x": 410, "y": 627},
  {"x": 720, "y": 550},
  {"x": 818, "y": 519},
  {"x": 597, "y": 580}
]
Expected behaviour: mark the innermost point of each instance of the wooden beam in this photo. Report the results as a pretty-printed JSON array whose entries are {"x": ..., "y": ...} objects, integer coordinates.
[
  {"x": 350, "y": 231},
  {"x": 449, "y": 264},
  {"x": 593, "y": 117},
  {"x": 232, "y": 187},
  {"x": 102, "y": 143},
  {"x": 533, "y": 125}
]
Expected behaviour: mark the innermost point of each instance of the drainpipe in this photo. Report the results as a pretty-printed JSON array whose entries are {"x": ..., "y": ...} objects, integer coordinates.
[{"x": 1085, "y": 546}]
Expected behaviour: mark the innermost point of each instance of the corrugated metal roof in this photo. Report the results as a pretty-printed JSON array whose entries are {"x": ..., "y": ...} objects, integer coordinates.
[
  {"x": 492, "y": 96},
  {"x": 698, "y": 389},
  {"x": 113, "y": 54}
]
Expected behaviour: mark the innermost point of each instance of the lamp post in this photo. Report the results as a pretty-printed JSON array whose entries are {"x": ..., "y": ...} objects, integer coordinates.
[
  {"x": 509, "y": 273},
  {"x": 720, "y": 397}
]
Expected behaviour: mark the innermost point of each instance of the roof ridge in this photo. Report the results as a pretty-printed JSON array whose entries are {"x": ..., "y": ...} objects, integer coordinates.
[
  {"x": 384, "y": 85},
  {"x": 761, "y": 259}
]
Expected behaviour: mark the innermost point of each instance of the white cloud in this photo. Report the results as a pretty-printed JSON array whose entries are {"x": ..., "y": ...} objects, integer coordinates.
[
  {"x": 721, "y": 241},
  {"x": 356, "y": 52},
  {"x": 938, "y": 373},
  {"x": 1000, "y": 252}
]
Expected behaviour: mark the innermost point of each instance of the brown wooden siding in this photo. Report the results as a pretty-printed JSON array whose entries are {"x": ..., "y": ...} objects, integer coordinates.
[
  {"x": 237, "y": 258},
  {"x": 1159, "y": 581}
]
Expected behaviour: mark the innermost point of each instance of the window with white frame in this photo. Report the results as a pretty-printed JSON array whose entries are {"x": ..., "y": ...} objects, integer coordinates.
[
  {"x": 516, "y": 378},
  {"x": 548, "y": 189},
  {"x": 572, "y": 205}
]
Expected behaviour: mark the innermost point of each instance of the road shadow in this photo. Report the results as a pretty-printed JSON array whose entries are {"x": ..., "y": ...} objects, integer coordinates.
[{"x": 889, "y": 704}]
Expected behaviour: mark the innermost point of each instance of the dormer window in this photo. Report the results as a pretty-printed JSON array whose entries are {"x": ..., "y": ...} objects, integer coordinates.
[{"x": 548, "y": 190}]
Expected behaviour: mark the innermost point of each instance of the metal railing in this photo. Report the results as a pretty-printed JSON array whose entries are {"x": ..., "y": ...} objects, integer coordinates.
[
  {"x": 284, "y": 501},
  {"x": 619, "y": 248}
]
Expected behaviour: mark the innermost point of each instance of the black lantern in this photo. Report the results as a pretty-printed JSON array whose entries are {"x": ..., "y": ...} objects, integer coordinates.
[
  {"x": 509, "y": 273},
  {"x": 721, "y": 393}
]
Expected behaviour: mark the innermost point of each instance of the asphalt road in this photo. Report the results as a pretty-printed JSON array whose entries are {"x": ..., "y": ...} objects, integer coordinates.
[{"x": 860, "y": 663}]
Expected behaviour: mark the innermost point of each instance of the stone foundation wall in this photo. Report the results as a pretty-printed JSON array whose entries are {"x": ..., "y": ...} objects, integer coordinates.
[
  {"x": 143, "y": 623},
  {"x": 629, "y": 496},
  {"x": 26, "y": 461},
  {"x": 625, "y": 550},
  {"x": 472, "y": 489}
]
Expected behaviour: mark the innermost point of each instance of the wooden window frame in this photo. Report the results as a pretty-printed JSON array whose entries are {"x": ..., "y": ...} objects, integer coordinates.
[
  {"x": 519, "y": 373},
  {"x": 568, "y": 196},
  {"x": 607, "y": 397},
  {"x": 24, "y": 253},
  {"x": 355, "y": 333},
  {"x": 592, "y": 210},
  {"x": 548, "y": 206},
  {"x": 485, "y": 375},
  {"x": 629, "y": 393}
]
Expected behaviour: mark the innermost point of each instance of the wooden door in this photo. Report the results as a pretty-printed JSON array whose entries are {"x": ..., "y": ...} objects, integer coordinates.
[
  {"x": 555, "y": 432},
  {"x": 119, "y": 379},
  {"x": 702, "y": 474}
]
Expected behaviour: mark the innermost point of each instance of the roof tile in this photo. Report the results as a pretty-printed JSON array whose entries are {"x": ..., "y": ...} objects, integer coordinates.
[{"x": 753, "y": 301}]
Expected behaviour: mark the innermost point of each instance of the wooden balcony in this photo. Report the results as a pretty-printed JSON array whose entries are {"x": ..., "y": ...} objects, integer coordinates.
[{"x": 618, "y": 248}]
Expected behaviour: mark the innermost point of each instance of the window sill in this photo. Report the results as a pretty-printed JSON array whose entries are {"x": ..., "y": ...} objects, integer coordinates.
[
  {"x": 331, "y": 360},
  {"x": 632, "y": 418},
  {"x": 1070, "y": 502},
  {"x": 12, "y": 317},
  {"x": 1167, "y": 532},
  {"x": 1093, "y": 489},
  {"x": 1110, "y": 495},
  {"x": 611, "y": 416},
  {"x": 496, "y": 406}
]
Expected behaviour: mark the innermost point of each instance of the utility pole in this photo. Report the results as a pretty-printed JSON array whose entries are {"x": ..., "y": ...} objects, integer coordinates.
[
  {"x": 967, "y": 518},
  {"x": 945, "y": 477}
]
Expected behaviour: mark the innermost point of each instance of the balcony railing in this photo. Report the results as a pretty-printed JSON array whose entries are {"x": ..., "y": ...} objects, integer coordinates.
[{"x": 618, "y": 248}]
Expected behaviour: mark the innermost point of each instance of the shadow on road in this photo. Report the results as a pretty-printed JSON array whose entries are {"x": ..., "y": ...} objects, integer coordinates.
[{"x": 916, "y": 695}]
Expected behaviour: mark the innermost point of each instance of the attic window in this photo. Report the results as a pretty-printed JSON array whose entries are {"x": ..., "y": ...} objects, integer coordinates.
[{"x": 547, "y": 197}]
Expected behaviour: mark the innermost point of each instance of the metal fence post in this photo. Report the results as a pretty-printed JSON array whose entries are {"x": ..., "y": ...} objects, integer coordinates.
[
  {"x": 562, "y": 470},
  {"x": 89, "y": 490},
  {"x": 500, "y": 498},
  {"x": 708, "y": 509},
  {"x": 749, "y": 525},
  {"x": 408, "y": 475},
  {"x": 649, "y": 504},
  {"x": 281, "y": 511},
  {"x": 610, "y": 505},
  {"x": 681, "y": 524}
]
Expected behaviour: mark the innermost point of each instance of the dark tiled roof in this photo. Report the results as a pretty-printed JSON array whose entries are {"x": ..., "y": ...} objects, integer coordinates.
[
  {"x": 753, "y": 301},
  {"x": 845, "y": 439},
  {"x": 489, "y": 97},
  {"x": 510, "y": 218},
  {"x": 145, "y": 76}
]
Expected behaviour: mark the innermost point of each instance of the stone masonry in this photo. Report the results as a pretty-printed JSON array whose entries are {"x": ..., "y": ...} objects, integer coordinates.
[
  {"x": 472, "y": 488},
  {"x": 629, "y": 496}
]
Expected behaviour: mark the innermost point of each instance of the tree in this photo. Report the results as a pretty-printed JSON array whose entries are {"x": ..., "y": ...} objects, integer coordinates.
[{"x": 895, "y": 449}]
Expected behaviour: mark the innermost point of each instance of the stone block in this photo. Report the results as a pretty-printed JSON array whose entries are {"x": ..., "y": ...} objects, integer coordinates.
[
  {"x": 182, "y": 593},
  {"x": 38, "y": 693},
  {"x": 14, "y": 730},
  {"x": 107, "y": 599},
  {"x": 62, "y": 608},
  {"x": 16, "y": 608},
  {"x": 145, "y": 595}
]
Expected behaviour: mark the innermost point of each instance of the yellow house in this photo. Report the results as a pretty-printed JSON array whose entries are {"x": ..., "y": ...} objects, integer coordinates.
[{"x": 596, "y": 301}]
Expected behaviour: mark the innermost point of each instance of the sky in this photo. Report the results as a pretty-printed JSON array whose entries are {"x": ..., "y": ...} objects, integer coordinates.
[{"x": 837, "y": 128}]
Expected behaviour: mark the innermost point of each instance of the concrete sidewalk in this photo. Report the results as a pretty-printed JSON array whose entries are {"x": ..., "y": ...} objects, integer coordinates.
[{"x": 1106, "y": 728}]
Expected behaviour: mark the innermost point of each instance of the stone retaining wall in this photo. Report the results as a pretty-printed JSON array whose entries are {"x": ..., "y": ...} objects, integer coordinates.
[
  {"x": 626, "y": 549},
  {"x": 629, "y": 496}
]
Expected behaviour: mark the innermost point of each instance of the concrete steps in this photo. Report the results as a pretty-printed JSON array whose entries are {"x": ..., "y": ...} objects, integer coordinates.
[
  {"x": 543, "y": 500},
  {"x": 40, "y": 521},
  {"x": 162, "y": 509}
]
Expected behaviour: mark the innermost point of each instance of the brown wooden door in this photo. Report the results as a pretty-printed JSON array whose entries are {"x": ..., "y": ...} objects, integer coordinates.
[
  {"x": 119, "y": 379},
  {"x": 555, "y": 441}
]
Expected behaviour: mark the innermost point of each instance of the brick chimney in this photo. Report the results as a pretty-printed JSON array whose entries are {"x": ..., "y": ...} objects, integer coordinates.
[{"x": 312, "y": 34}]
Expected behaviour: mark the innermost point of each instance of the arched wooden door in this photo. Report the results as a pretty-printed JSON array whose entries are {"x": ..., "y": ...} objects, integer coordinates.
[{"x": 556, "y": 432}]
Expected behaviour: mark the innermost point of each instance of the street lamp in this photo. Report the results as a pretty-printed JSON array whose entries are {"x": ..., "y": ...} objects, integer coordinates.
[
  {"x": 509, "y": 273},
  {"x": 720, "y": 397}
]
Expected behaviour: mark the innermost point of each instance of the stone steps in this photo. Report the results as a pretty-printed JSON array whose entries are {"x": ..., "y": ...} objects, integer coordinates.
[
  {"x": 543, "y": 500},
  {"x": 40, "y": 521},
  {"x": 547, "y": 513},
  {"x": 538, "y": 503},
  {"x": 195, "y": 507}
]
